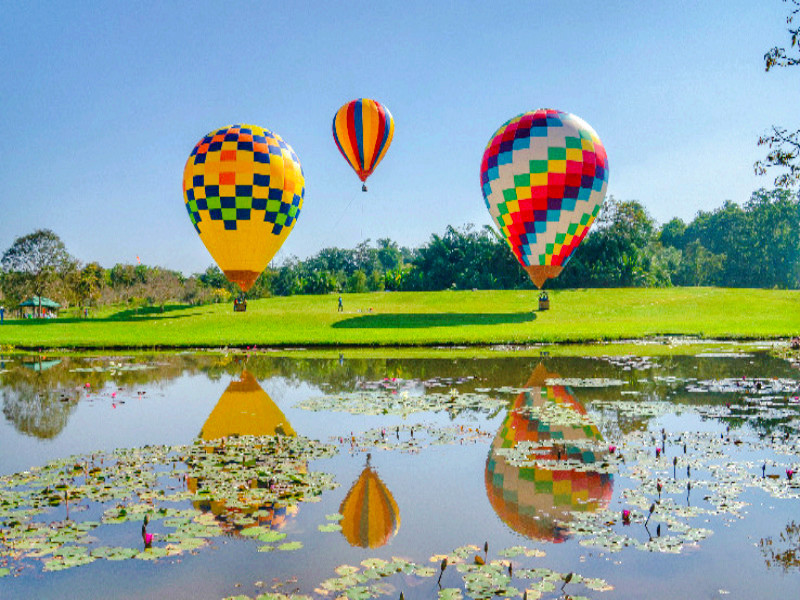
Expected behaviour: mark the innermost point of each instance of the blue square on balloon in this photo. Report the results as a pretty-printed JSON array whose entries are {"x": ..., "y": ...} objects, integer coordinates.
[
  {"x": 259, "y": 204},
  {"x": 197, "y": 181},
  {"x": 584, "y": 193},
  {"x": 274, "y": 150},
  {"x": 227, "y": 202},
  {"x": 261, "y": 180},
  {"x": 215, "y": 214},
  {"x": 242, "y": 214},
  {"x": 215, "y": 146},
  {"x": 261, "y": 157},
  {"x": 231, "y": 136},
  {"x": 541, "y": 226},
  {"x": 212, "y": 191},
  {"x": 200, "y": 159},
  {"x": 520, "y": 144},
  {"x": 244, "y": 146},
  {"x": 568, "y": 204},
  {"x": 189, "y": 195},
  {"x": 552, "y": 215},
  {"x": 275, "y": 194},
  {"x": 230, "y": 225},
  {"x": 276, "y": 229},
  {"x": 202, "y": 204},
  {"x": 504, "y": 158},
  {"x": 244, "y": 190}
]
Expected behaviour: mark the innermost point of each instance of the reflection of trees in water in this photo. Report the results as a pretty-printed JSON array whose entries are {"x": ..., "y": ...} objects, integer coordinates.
[
  {"x": 37, "y": 411},
  {"x": 343, "y": 375},
  {"x": 783, "y": 553}
]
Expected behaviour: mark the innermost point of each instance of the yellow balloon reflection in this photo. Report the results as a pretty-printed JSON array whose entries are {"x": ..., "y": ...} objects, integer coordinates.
[
  {"x": 371, "y": 516},
  {"x": 533, "y": 500},
  {"x": 245, "y": 409}
]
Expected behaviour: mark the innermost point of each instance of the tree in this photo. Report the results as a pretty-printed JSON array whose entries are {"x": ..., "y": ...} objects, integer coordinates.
[
  {"x": 38, "y": 259},
  {"x": 90, "y": 283},
  {"x": 783, "y": 144}
]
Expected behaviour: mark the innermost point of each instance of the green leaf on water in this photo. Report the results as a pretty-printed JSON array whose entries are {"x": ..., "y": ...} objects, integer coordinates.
[
  {"x": 450, "y": 594},
  {"x": 329, "y": 527},
  {"x": 289, "y": 546}
]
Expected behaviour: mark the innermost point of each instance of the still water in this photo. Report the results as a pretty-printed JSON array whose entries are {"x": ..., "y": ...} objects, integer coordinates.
[{"x": 509, "y": 460}]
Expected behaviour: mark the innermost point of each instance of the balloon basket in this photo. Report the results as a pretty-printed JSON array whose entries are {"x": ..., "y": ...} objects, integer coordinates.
[
  {"x": 239, "y": 305},
  {"x": 544, "y": 301}
]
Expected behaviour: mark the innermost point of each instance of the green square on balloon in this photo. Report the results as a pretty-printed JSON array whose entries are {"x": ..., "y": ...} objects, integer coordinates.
[
  {"x": 228, "y": 214},
  {"x": 522, "y": 180},
  {"x": 538, "y": 166},
  {"x": 555, "y": 153}
]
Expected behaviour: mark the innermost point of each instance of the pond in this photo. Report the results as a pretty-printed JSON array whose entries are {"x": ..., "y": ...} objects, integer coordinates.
[{"x": 250, "y": 474}]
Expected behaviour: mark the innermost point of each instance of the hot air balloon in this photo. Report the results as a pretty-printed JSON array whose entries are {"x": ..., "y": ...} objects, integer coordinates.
[
  {"x": 370, "y": 514},
  {"x": 544, "y": 176},
  {"x": 363, "y": 130},
  {"x": 243, "y": 187},
  {"x": 534, "y": 501},
  {"x": 243, "y": 409}
]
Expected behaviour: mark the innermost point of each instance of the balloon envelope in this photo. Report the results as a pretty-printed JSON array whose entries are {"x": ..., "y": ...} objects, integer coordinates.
[
  {"x": 363, "y": 130},
  {"x": 544, "y": 176},
  {"x": 243, "y": 187},
  {"x": 370, "y": 514},
  {"x": 536, "y": 500},
  {"x": 245, "y": 409}
]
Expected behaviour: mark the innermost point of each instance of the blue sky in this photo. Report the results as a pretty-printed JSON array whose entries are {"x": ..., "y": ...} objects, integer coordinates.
[{"x": 102, "y": 102}]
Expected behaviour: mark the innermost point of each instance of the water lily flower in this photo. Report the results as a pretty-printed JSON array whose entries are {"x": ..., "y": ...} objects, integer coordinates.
[{"x": 626, "y": 517}]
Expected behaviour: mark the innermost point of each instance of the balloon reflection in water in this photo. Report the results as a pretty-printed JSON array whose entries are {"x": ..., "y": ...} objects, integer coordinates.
[
  {"x": 244, "y": 409},
  {"x": 533, "y": 499},
  {"x": 371, "y": 516}
]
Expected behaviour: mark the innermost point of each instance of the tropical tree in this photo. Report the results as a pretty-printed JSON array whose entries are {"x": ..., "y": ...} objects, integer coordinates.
[
  {"x": 38, "y": 260},
  {"x": 782, "y": 143}
]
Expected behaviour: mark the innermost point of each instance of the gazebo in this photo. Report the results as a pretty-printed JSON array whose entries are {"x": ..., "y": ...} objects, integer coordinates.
[{"x": 49, "y": 307}]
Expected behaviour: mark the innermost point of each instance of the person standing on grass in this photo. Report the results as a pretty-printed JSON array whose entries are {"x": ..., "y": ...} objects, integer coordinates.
[
  {"x": 2, "y": 313},
  {"x": 341, "y": 307}
]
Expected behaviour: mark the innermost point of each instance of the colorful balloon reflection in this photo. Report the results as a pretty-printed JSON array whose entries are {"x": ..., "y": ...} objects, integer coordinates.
[
  {"x": 533, "y": 500},
  {"x": 371, "y": 516},
  {"x": 244, "y": 409}
]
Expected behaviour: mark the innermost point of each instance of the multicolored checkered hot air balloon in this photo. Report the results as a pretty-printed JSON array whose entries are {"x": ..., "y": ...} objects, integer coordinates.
[
  {"x": 544, "y": 176},
  {"x": 363, "y": 130},
  {"x": 536, "y": 500},
  {"x": 243, "y": 187}
]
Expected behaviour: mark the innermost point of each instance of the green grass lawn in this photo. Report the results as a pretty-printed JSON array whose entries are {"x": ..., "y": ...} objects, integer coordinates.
[{"x": 429, "y": 319}]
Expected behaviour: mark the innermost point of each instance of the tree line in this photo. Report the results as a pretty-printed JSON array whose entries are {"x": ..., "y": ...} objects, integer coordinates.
[{"x": 753, "y": 245}]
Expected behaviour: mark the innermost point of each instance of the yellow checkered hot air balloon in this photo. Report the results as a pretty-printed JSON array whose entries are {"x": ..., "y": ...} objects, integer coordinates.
[
  {"x": 244, "y": 409},
  {"x": 243, "y": 187},
  {"x": 534, "y": 500},
  {"x": 370, "y": 514}
]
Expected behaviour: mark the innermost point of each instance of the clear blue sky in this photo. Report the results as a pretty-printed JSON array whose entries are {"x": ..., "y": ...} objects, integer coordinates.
[{"x": 101, "y": 103}]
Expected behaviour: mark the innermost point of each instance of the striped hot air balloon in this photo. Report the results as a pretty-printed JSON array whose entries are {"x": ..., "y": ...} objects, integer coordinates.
[
  {"x": 534, "y": 501},
  {"x": 370, "y": 514},
  {"x": 363, "y": 130}
]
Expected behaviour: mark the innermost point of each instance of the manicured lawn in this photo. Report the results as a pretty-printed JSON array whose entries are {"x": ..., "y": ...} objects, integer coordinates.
[{"x": 429, "y": 318}]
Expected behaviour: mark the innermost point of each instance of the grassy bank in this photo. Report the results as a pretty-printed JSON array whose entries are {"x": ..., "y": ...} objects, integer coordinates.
[{"x": 432, "y": 318}]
